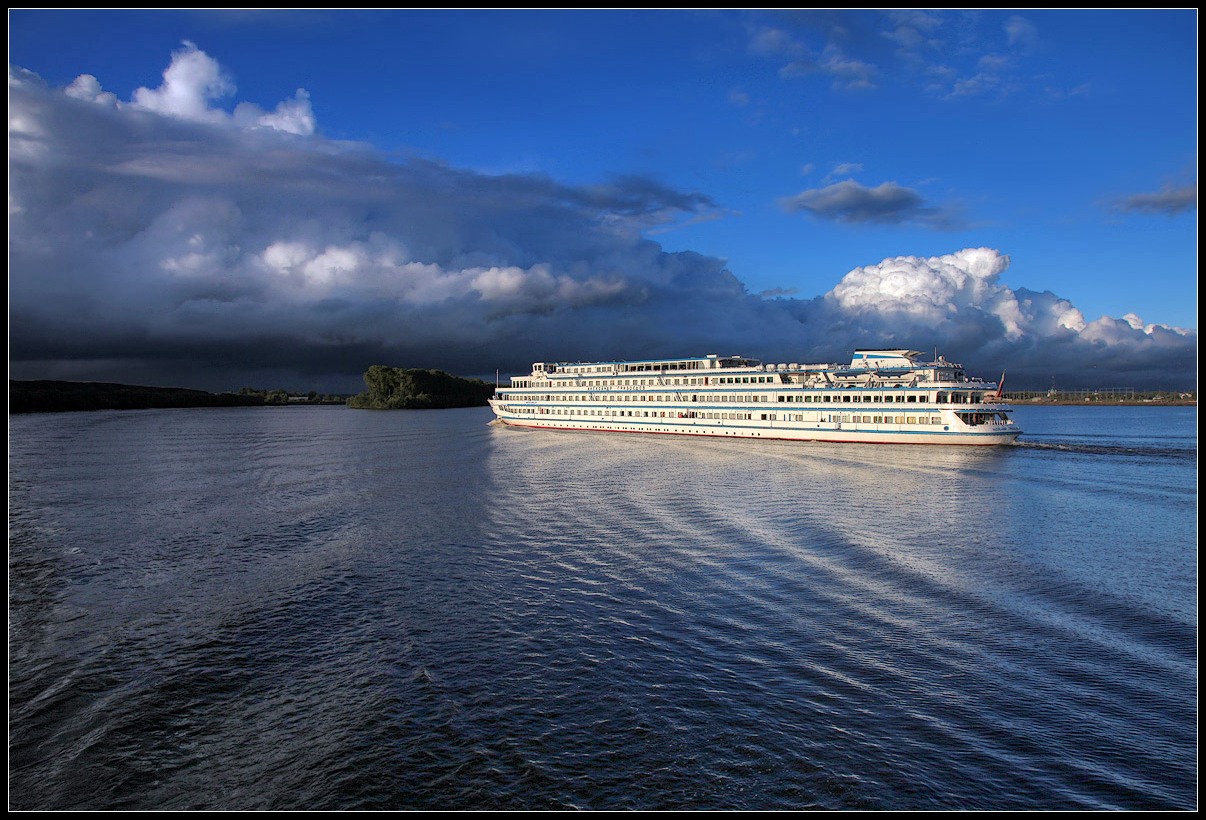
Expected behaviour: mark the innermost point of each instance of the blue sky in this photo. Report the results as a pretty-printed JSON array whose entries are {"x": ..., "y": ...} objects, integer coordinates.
[{"x": 1017, "y": 187}]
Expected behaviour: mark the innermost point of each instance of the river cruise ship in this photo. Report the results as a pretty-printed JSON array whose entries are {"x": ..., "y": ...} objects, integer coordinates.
[{"x": 882, "y": 396}]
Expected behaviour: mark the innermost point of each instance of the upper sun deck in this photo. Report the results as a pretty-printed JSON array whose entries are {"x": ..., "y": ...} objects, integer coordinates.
[{"x": 896, "y": 366}]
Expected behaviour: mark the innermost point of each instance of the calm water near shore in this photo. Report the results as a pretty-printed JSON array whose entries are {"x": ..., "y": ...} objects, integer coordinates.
[{"x": 323, "y": 608}]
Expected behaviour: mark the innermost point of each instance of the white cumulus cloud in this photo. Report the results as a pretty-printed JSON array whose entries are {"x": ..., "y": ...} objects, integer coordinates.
[{"x": 192, "y": 84}]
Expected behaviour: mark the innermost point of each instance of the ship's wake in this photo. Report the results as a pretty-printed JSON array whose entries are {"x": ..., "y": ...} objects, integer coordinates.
[{"x": 1153, "y": 450}]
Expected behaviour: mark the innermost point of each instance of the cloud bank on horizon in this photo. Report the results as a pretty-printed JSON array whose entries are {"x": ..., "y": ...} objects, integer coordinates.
[{"x": 164, "y": 240}]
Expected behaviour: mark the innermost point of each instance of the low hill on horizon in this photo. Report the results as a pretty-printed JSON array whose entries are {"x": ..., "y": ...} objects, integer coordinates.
[{"x": 50, "y": 396}]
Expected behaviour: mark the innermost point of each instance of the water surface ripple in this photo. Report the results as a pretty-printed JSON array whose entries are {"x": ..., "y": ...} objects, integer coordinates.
[{"x": 320, "y": 608}]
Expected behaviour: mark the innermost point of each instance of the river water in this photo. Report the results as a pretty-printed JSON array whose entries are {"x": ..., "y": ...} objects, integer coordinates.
[{"x": 323, "y": 608}]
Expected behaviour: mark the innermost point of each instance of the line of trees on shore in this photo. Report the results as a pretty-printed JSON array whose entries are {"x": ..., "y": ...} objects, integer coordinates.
[
  {"x": 280, "y": 396},
  {"x": 1108, "y": 396},
  {"x": 47, "y": 396}
]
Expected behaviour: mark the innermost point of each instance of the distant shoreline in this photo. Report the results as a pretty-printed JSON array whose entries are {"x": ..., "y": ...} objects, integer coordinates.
[
  {"x": 1081, "y": 403},
  {"x": 46, "y": 396}
]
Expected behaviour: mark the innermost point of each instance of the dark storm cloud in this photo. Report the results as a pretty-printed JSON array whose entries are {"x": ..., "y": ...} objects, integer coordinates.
[
  {"x": 163, "y": 241},
  {"x": 139, "y": 235},
  {"x": 1169, "y": 200},
  {"x": 852, "y": 202}
]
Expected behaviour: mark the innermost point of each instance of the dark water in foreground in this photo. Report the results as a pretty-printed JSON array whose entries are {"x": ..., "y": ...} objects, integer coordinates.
[{"x": 324, "y": 608}]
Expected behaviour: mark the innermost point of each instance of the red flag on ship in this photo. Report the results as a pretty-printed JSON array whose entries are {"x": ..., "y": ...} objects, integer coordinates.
[{"x": 1001, "y": 386}]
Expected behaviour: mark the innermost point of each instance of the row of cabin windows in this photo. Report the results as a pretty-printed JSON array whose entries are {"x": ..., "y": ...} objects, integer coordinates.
[
  {"x": 856, "y": 419},
  {"x": 643, "y": 414},
  {"x": 631, "y": 368},
  {"x": 616, "y": 382},
  {"x": 747, "y": 380},
  {"x": 820, "y": 398},
  {"x": 846, "y": 418},
  {"x": 662, "y": 366},
  {"x": 799, "y": 417},
  {"x": 712, "y": 397},
  {"x": 855, "y": 399},
  {"x": 635, "y": 382}
]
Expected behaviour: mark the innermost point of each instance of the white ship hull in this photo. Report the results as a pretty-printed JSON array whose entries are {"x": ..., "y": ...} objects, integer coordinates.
[
  {"x": 882, "y": 397},
  {"x": 882, "y": 434}
]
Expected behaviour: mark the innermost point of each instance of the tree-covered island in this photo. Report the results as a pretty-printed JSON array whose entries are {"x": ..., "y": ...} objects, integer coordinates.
[{"x": 395, "y": 388}]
